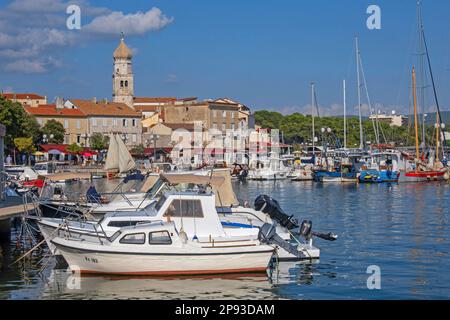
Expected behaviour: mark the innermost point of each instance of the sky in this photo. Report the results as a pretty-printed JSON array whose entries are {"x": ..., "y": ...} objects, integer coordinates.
[{"x": 262, "y": 53}]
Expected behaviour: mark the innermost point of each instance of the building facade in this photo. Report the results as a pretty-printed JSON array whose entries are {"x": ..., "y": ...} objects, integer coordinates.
[
  {"x": 110, "y": 117},
  {"x": 74, "y": 121}
]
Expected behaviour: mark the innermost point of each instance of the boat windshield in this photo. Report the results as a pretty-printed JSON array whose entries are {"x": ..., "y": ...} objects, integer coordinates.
[
  {"x": 155, "y": 187},
  {"x": 160, "y": 202}
]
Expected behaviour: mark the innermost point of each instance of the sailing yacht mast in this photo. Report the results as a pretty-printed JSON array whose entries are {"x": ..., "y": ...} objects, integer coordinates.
[
  {"x": 312, "y": 114},
  {"x": 422, "y": 72},
  {"x": 416, "y": 127},
  {"x": 345, "y": 113},
  {"x": 361, "y": 142}
]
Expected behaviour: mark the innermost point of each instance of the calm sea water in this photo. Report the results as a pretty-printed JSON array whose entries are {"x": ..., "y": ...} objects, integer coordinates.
[{"x": 402, "y": 229}]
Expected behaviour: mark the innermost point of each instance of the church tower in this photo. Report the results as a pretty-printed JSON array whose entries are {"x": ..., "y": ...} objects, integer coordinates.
[{"x": 123, "y": 79}]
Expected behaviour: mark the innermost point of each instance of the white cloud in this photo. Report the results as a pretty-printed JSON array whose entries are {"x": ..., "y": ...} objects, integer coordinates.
[
  {"x": 131, "y": 24},
  {"x": 33, "y": 31},
  {"x": 31, "y": 66}
]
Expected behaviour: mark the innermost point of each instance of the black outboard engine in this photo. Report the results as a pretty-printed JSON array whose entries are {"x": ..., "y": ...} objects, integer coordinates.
[{"x": 271, "y": 207}]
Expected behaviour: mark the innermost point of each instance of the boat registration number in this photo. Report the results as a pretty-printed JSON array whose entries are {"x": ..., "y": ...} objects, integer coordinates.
[{"x": 92, "y": 260}]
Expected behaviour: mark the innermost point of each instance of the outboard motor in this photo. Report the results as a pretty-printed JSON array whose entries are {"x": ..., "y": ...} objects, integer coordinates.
[
  {"x": 271, "y": 207},
  {"x": 306, "y": 229},
  {"x": 268, "y": 235}
]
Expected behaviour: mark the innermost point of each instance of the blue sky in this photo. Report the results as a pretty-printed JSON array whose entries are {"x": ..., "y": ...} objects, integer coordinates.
[{"x": 262, "y": 53}]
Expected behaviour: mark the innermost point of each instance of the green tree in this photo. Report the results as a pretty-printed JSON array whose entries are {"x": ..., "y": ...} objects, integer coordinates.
[
  {"x": 138, "y": 150},
  {"x": 18, "y": 122},
  {"x": 75, "y": 148},
  {"x": 25, "y": 145},
  {"x": 55, "y": 128},
  {"x": 99, "y": 141}
]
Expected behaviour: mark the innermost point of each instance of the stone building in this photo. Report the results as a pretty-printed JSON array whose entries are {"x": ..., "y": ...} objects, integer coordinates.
[
  {"x": 26, "y": 99},
  {"x": 110, "y": 117},
  {"x": 74, "y": 121}
]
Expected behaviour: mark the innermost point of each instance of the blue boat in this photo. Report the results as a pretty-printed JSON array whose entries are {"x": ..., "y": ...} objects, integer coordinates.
[{"x": 381, "y": 167}]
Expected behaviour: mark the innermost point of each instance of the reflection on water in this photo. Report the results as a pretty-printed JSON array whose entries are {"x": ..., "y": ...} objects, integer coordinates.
[{"x": 403, "y": 229}]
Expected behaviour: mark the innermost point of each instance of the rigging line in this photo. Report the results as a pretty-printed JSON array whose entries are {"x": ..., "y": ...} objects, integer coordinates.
[
  {"x": 432, "y": 80},
  {"x": 316, "y": 104},
  {"x": 377, "y": 135}
]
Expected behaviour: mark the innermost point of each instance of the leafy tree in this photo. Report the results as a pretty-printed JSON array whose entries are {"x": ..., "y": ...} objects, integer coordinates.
[
  {"x": 297, "y": 129},
  {"x": 138, "y": 150},
  {"x": 99, "y": 141},
  {"x": 75, "y": 148},
  {"x": 55, "y": 128},
  {"x": 25, "y": 145},
  {"x": 18, "y": 122}
]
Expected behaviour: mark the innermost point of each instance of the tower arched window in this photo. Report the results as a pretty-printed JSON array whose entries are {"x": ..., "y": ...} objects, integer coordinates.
[
  {"x": 126, "y": 83},
  {"x": 121, "y": 83}
]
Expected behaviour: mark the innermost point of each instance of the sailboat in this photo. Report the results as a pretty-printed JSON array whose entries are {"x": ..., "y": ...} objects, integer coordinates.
[
  {"x": 421, "y": 171},
  {"x": 433, "y": 170},
  {"x": 118, "y": 158}
]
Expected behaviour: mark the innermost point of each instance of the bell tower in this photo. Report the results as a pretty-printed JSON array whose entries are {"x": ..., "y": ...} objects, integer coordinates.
[{"x": 123, "y": 79}]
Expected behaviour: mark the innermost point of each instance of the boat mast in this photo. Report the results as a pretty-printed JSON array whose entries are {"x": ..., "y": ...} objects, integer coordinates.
[
  {"x": 345, "y": 114},
  {"x": 422, "y": 72},
  {"x": 438, "y": 136},
  {"x": 312, "y": 114},
  {"x": 361, "y": 143},
  {"x": 416, "y": 127}
]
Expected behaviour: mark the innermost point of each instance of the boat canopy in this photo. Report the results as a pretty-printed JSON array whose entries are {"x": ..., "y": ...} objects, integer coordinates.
[
  {"x": 68, "y": 176},
  {"x": 175, "y": 179}
]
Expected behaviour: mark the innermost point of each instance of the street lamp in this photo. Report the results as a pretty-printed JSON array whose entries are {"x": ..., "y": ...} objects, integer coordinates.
[
  {"x": 85, "y": 136},
  {"x": 153, "y": 139},
  {"x": 45, "y": 139}
]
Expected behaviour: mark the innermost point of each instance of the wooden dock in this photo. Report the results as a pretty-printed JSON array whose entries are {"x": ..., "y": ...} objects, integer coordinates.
[{"x": 12, "y": 211}]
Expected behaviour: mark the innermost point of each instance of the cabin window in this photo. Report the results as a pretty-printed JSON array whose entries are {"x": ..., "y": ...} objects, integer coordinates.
[
  {"x": 134, "y": 238},
  {"x": 121, "y": 224},
  {"x": 160, "y": 237},
  {"x": 184, "y": 208}
]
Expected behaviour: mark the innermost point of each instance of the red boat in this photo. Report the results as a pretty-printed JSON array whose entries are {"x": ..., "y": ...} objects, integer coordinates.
[
  {"x": 33, "y": 183},
  {"x": 424, "y": 176}
]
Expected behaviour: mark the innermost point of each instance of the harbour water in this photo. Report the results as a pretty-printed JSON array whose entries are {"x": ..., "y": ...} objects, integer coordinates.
[{"x": 402, "y": 229}]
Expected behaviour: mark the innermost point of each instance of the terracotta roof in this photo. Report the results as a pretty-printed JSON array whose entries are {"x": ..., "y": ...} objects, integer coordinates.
[
  {"x": 21, "y": 96},
  {"x": 147, "y": 108},
  {"x": 104, "y": 108},
  {"x": 51, "y": 110},
  {"x": 154, "y": 100},
  {"x": 122, "y": 51}
]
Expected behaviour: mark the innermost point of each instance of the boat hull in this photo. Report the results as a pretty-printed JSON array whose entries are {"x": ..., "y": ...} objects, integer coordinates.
[
  {"x": 164, "y": 264},
  {"x": 422, "y": 176},
  {"x": 375, "y": 176}
]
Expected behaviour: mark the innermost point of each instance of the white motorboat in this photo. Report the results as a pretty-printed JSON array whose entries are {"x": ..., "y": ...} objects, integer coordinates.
[
  {"x": 189, "y": 239},
  {"x": 271, "y": 168},
  {"x": 302, "y": 173},
  {"x": 159, "y": 248}
]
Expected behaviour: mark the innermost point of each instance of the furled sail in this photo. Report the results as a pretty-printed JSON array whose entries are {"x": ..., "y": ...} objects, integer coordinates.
[
  {"x": 112, "y": 158},
  {"x": 126, "y": 162}
]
